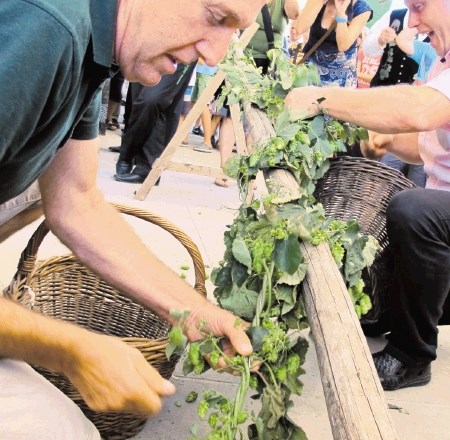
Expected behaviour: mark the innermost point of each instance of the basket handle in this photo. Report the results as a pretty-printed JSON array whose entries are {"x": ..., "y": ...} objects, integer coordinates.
[{"x": 27, "y": 259}]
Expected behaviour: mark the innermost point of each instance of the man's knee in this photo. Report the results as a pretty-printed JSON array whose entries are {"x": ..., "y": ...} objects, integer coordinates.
[
  {"x": 32, "y": 408},
  {"x": 23, "y": 201},
  {"x": 405, "y": 209}
]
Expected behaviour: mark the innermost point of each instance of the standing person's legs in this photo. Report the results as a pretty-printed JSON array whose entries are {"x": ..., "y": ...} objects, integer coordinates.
[
  {"x": 418, "y": 225},
  {"x": 163, "y": 108},
  {"x": 31, "y": 408},
  {"x": 226, "y": 144},
  {"x": 135, "y": 126}
]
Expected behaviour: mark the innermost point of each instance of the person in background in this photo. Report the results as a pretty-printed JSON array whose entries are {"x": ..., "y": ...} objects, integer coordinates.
[
  {"x": 154, "y": 117},
  {"x": 422, "y": 53},
  {"x": 336, "y": 57},
  {"x": 366, "y": 66},
  {"x": 53, "y": 136},
  {"x": 204, "y": 73},
  {"x": 114, "y": 102},
  {"x": 280, "y": 12},
  {"x": 395, "y": 67},
  {"x": 295, "y": 43},
  {"x": 187, "y": 106},
  {"x": 412, "y": 122}
]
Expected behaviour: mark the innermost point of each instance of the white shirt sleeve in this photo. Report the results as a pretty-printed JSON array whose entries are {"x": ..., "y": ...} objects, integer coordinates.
[
  {"x": 370, "y": 45},
  {"x": 441, "y": 82}
]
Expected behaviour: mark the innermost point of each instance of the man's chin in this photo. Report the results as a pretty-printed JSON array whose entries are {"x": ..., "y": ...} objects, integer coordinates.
[{"x": 148, "y": 78}]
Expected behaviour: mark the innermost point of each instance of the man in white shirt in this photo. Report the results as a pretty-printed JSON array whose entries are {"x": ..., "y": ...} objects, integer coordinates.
[{"x": 412, "y": 122}]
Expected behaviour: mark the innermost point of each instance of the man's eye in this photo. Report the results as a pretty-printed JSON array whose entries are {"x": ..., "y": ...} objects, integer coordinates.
[{"x": 217, "y": 20}]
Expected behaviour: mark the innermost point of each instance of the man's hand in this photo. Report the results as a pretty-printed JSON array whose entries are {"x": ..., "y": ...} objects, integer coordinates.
[
  {"x": 219, "y": 322},
  {"x": 387, "y": 35},
  {"x": 112, "y": 376},
  {"x": 304, "y": 101},
  {"x": 376, "y": 146}
]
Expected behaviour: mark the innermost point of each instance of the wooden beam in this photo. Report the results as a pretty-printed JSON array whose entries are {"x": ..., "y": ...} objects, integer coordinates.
[
  {"x": 213, "y": 84},
  {"x": 356, "y": 406}
]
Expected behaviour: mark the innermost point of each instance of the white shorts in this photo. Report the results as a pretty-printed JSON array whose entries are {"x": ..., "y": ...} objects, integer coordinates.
[
  {"x": 18, "y": 204},
  {"x": 31, "y": 408}
]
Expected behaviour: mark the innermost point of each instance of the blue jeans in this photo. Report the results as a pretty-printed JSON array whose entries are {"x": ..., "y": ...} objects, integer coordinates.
[{"x": 415, "y": 173}]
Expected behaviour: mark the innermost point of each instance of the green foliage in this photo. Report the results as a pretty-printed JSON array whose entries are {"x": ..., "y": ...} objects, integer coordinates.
[{"x": 263, "y": 266}]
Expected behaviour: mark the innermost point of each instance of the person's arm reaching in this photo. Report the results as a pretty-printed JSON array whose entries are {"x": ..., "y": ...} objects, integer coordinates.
[
  {"x": 109, "y": 374},
  {"x": 308, "y": 15},
  {"x": 404, "y": 146},
  {"x": 291, "y": 9},
  {"x": 346, "y": 34},
  {"x": 394, "y": 109},
  {"x": 103, "y": 241},
  {"x": 374, "y": 43}
]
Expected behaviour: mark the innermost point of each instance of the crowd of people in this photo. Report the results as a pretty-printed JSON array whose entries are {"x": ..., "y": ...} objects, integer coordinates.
[{"x": 48, "y": 153}]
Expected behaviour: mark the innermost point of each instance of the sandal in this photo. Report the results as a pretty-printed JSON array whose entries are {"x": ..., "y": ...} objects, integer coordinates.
[
  {"x": 220, "y": 181},
  {"x": 394, "y": 374},
  {"x": 111, "y": 125}
]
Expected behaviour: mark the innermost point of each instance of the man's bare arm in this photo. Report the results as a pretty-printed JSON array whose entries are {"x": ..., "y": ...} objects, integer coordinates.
[
  {"x": 404, "y": 146},
  {"x": 103, "y": 240},
  {"x": 394, "y": 109}
]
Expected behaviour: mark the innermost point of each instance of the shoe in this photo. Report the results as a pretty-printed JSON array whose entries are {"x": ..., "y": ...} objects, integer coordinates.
[
  {"x": 123, "y": 167},
  {"x": 114, "y": 149},
  {"x": 198, "y": 131},
  {"x": 112, "y": 125},
  {"x": 203, "y": 148},
  {"x": 214, "y": 143},
  {"x": 394, "y": 374},
  {"x": 184, "y": 144},
  {"x": 129, "y": 178}
]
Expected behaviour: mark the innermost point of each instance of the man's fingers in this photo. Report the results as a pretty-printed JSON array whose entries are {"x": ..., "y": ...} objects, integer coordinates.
[
  {"x": 240, "y": 341},
  {"x": 153, "y": 379}
]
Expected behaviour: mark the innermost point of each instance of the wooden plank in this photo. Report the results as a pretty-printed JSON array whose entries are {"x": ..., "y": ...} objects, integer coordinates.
[
  {"x": 162, "y": 162},
  {"x": 356, "y": 405},
  {"x": 238, "y": 127}
]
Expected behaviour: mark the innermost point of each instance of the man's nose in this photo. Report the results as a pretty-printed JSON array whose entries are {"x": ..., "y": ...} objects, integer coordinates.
[
  {"x": 213, "y": 49},
  {"x": 413, "y": 20}
]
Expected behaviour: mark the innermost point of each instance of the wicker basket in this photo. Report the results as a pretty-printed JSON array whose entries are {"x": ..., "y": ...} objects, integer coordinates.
[
  {"x": 63, "y": 288},
  {"x": 359, "y": 189}
]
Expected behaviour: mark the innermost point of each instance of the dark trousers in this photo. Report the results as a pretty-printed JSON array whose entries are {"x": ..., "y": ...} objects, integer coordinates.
[
  {"x": 153, "y": 118},
  {"x": 418, "y": 226}
]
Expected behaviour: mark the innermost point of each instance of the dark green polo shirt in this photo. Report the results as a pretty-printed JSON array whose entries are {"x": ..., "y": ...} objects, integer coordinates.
[{"x": 54, "y": 56}]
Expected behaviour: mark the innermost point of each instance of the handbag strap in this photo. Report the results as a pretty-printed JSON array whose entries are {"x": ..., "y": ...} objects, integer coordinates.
[
  {"x": 267, "y": 21},
  {"x": 318, "y": 43}
]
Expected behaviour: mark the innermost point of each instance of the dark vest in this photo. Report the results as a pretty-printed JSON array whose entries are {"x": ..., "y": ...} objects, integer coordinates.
[{"x": 395, "y": 66}]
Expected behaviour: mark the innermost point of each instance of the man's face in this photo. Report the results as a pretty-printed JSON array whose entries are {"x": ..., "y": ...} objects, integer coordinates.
[
  {"x": 153, "y": 35},
  {"x": 432, "y": 17}
]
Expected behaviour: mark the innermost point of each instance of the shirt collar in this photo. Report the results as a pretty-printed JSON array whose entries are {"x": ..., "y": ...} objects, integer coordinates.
[{"x": 103, "y": 16}]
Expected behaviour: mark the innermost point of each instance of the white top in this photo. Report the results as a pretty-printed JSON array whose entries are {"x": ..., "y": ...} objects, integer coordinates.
[{"x": 434, "y": 146}]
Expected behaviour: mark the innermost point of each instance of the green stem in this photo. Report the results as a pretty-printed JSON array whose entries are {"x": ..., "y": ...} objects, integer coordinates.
[
  {"x": 261, "y": 301},
  {"x": 269, "y": 272},
  {"x": 240, "y": 396}
]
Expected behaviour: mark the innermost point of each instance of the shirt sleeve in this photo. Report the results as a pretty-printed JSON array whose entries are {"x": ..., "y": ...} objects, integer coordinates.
[
  {"x": 360, "y": 7},
  {"x": 87, "y": 127},
  {"x": 35, "y": 74},
  {"x": 441, "y": 82},
  {"x": 370, "y": 44}
]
